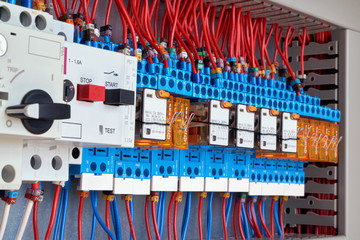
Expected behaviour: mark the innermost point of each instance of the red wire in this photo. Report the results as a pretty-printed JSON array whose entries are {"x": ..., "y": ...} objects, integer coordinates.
[
  {"x": 107, "y": 216},
  {"x": 175, "y": 220},
  {"x": 108, "y": 10},
  {"x": 199, "y": 218},
  {"x": 93, "y": 12},
  {"x": 148, "y": 22},
  {"x": 156, "y": 17},
  {"x": 121, "y": 8},
  {"x": 196, "y": 34},
  {"x": 205, "y": 34},
  {"x": 281, "y": 210},
  {"x": 61, "y": 6},
  {"x": 239, "y": 222},
  {"x": 148, "y": 232},
  {"x": 154, "y": 220},
  {"x": 163, "y": 25},
  {"x": 179, "y": 39},
  {"x": 253, "y": 217},
  {"x": 234, "y": 219},
  {"x": 217, "y": 48},
  {"x": 67, "y": 4},
  {"x": 277, "y": 39},
  {"x": 171, "y": 40},
  {"x": 85, "y": 7},
  {"x": 35, "y": 221},
  {"x": 218, "y": 29},
  {"x": 81, "y": 204},
  {"x": 169, "y": 214},
  {"x": 232, "y": 32},
  {"x": 131, "y": 223},
  {"x": 248, "y": 217},
  {"x": 272, "y": 217},
  {"x": 276, "y": 50},
  {"x": 73, "y": 6},
  {"x": 56, "y": 9},
  {"x": 303, "y": 41},
  {"x": 262, "y": 219},
  {"x": 224, "y": 219},
  {"x": 53, "y": 212}
]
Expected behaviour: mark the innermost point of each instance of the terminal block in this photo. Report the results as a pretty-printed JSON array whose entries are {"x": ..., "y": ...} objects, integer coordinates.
[
  {"x": 96, "y": 170},
  {"x": 192, "y": 170},
  {"x": 216, "y": 175},
  {"x": 210, "y": 125},
  {"x": 164, "y": 170},
  {"x": 132, "y": 171},
  {"x": 238, "y": 172}
]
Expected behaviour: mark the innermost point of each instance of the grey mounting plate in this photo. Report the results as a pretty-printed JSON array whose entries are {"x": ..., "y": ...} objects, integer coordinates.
[
  {"x": 312, "y": 171},
  {"x": 311, "y": 202}
]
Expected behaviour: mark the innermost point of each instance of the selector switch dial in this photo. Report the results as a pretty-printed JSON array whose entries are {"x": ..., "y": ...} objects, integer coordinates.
[{"x": 37, "y": 111}]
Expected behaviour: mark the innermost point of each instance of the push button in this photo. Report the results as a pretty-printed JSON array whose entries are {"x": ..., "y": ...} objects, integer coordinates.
[
  {"x": 90, "y": 93},
  {"x": 119, "y": 97}
]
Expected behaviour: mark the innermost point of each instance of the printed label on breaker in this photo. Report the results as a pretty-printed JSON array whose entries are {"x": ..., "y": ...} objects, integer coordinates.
[
  {"x": 245, "y": 139},
  {"x": 219, "y": 135},
  {"x": 268, "y": 123},
  {"x": 245, "y": 119},
  {"x": 268, "y": 142},
  {"x": 218, "y": 114}
]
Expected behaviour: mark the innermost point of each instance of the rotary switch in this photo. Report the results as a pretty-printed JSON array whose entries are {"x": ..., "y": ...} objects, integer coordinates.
[{"x": 37, "y": 111}]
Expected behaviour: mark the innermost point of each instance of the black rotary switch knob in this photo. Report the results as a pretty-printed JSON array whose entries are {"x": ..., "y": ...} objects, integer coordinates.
[{"x": 37, "y": 111}]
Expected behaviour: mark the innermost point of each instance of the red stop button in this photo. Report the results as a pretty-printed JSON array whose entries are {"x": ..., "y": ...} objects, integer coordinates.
[{"x": 90, "y": 93}]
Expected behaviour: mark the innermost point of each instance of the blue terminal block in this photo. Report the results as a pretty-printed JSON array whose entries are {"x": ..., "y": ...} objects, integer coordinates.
[
  {"x": 145, "y": 80},
  {"x": 238, "y": 172},
  {"x": 167, "y": 83},
  {"x": 96, "y": 169},
  {"x": 216, "y": 164},
  {"x": 257, "y": 176},
  {"x": 164, "y": 170},
  {"x": 192, "y": 170},
  {"x": 132, "y": 171}
]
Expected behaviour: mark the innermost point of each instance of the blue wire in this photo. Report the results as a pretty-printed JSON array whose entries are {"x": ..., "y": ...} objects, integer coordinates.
[
  {"x": 184, "y": 216},
  {"x": 158, "y": 210},
  {"x": 251, "y": 230},
  {"x": 244, "y": 221},
  {"x": 116, "y": 213},
  {"x": 102, "y": 224},
  {"x": 264, "y": 217},
  {"x": 161, "y": 228},
  {"x": 188, "y": 209},
  {"x": 64, "y": 213},
  {"x": 209, "y": 215},
  {"x": 277, "y": 220},
  {"x": 93, "y": 223},
  {"x": 228, "y": 208},
  {"x": 113, "y": 219},
  {"x": 132, "y": 213},
  {"x": 58, "y": 215}
]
